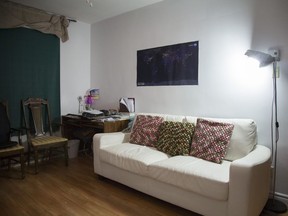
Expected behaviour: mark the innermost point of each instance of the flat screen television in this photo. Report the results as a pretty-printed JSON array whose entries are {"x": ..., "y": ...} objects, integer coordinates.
[{"x": 168, "y": 65}]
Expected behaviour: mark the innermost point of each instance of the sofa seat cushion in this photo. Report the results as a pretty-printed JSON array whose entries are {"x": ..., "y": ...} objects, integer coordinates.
[
  {"x": 131, "y": 157},
  {"x": 194, "y": 174}
]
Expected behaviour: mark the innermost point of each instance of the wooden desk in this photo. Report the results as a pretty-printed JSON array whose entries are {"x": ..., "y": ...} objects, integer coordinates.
[{"x": 78, "y": 127}]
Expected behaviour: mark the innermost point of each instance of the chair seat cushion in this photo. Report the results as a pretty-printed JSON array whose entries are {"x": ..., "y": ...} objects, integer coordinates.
[
  {"x": 16, "y": 149},
  {"x": 45, "y": 140}
]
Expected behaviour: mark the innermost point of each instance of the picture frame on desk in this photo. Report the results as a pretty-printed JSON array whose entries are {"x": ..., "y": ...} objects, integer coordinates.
[{"x": 127, "y": 105}]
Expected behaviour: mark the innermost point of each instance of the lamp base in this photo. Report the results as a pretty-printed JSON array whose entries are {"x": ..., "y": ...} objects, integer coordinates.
[{"x": 275, "y": 206}]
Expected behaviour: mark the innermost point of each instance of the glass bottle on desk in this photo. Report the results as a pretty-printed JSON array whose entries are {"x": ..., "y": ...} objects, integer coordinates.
[{"x": 80, "y": 104}]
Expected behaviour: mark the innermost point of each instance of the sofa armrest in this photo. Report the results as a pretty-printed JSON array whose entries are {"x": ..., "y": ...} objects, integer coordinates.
[
  {"x": 107, "y": 139},
  {"x": 250, "y": 182},
  {"x": 102, "y": 140}
]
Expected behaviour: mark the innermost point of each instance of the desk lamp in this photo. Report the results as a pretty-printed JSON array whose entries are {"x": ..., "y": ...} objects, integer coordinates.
[{"x": 264, "y": 60}]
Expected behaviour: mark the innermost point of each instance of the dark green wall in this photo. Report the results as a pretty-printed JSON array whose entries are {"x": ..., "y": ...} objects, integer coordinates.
[{"x": 29, "y": 67}]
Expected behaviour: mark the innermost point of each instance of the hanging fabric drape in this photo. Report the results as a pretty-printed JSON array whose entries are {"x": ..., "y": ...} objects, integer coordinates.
[{"x": 13, "y": 15}]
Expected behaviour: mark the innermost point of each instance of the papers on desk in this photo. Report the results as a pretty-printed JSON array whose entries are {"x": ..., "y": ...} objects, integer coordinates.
[
  {"x": 109, "y": 119},
  {"x": 91, "y": 114},
  {"x": 105, "y": 118},
  {"x": 94, "y": 112},
  {"x": 127, "y": 105}
]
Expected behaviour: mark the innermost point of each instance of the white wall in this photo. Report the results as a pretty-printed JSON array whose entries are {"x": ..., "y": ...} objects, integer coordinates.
[
  {"x": 75, "y": 66},
  {"x": 229, "y": 86}
]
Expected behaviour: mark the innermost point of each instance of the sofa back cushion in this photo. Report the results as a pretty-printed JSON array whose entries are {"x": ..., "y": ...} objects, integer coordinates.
[{"x": 243, "y": 139}]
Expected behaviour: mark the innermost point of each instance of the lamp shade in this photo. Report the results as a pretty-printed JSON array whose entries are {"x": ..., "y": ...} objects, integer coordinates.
[{"x": 263, "y": 58}]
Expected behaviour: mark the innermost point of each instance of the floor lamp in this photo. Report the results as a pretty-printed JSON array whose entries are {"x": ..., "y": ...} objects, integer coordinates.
[{"x": 264, "y": 60}]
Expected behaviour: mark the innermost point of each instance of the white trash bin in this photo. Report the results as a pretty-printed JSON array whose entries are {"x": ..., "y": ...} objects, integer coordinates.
[{"x": 73, "y": 147}]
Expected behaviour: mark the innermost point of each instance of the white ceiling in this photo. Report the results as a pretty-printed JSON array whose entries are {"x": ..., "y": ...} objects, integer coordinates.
[{"x": 80, "y": 10}]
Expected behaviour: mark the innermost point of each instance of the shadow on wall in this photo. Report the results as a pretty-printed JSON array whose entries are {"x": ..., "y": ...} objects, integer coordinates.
[{"x": 270, "y": 32}]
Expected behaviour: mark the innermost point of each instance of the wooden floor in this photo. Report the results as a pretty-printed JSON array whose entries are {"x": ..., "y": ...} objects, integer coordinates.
[{"x": 76, "y": 190}]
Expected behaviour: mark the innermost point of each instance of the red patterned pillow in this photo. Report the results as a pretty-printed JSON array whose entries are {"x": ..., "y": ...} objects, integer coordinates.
[
  {"x": 210, "y": 140},
  {"x": 145, "y": 130}
]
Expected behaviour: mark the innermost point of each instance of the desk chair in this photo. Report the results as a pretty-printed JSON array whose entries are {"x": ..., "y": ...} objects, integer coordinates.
[
  {"x": 37, "y": 121},
  {"x": 8, "y": 149}
]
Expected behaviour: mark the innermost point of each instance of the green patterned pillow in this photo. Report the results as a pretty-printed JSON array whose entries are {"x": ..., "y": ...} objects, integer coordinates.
[{"x": 175, "y": 138}]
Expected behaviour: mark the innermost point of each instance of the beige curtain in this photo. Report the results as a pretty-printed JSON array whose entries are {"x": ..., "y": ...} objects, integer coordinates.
[{"x": 13, "y": 15}]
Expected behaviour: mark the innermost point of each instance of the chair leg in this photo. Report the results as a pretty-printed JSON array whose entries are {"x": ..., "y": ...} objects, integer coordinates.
[
  {"x": 22, "y": 165},
  {"x": 28, "y": 155},
  {"x": 66, "y": 153},
  {"x": 50, "y": 154},
  {"x": 36, "y": 160},
  {"x": 9, "y": 163}
]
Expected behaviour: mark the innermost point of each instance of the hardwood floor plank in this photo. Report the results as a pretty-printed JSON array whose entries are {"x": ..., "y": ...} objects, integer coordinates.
[{"x": 75, "y": 190}]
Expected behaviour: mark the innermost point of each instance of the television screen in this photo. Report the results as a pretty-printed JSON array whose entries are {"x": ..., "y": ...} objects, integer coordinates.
[{"x": 168, "y": 65}]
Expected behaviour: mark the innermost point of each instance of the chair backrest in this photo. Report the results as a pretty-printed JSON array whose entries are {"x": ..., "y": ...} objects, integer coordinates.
[
  {"x": 36, "y": 116},
  {"x": 4, "y": 124}
]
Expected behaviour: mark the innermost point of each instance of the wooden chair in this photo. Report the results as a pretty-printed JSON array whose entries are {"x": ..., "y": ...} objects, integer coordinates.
[
  {"x": 9, "y": 149},
  {"x": 37, "y": 121}
]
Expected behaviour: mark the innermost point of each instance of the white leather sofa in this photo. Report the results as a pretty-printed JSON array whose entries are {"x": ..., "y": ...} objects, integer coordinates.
[{"x": 239, "y": 186}]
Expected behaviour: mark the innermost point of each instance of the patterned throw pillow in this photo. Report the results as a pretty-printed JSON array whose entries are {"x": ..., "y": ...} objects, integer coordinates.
[
  {"x": 175, "y": 138},
  {"x": 210, "y": 140},
  {"x": 145, "y": 130}
]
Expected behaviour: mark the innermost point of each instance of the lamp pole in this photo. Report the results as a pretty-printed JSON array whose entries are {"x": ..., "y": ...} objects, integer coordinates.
[{"x": 273, "y": 204}]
